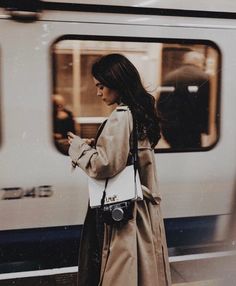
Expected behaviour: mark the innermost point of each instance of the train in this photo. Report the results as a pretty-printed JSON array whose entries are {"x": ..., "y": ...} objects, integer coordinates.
[{"x": 46, "y": 48}]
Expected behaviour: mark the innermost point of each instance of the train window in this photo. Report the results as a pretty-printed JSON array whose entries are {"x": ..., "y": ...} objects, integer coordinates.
[{"x": 182, "y": 76}]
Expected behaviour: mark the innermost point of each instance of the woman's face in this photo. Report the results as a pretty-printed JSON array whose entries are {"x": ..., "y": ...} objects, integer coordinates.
[{"x": 109, "y": 96}]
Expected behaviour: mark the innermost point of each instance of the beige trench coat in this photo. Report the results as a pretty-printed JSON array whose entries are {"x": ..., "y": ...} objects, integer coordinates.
[{"x": 136, "y": 254}]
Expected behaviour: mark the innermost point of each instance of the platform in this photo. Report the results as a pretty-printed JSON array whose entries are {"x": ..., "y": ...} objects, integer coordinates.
[{"x": 209, "y": 269}]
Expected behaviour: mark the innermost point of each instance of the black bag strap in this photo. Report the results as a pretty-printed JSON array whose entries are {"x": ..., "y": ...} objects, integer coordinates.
[
  {"x": 101, "y": 127},
  {"x": 104, "y": 194},
  {"x": 135, "y": 151},
  {"x": 134, "y": 160},
  {"x": 135, "y": 145}
]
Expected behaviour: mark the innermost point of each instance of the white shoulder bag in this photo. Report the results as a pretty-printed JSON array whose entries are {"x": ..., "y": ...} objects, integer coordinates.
[
  {"x": 122, "y": 187},
  {"x": 125, "y": 186}
]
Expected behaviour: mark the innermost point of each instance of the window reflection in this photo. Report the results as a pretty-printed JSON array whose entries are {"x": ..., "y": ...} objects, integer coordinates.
[
  {"x": 63, "y": 122},
  {"x": 187, "y": 99},
  {"x": 187, "y": 105}
]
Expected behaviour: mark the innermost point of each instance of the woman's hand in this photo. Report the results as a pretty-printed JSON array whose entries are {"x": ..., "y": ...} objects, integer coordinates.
[
  {"x": 88, "y": 141},
  {"x": 71, "y": 136}
]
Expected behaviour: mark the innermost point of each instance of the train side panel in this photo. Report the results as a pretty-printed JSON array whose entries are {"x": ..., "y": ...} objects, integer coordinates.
[{"x": 191, "y": 183}]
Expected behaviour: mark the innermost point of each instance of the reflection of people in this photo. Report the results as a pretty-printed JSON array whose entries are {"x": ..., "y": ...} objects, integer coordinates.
[
  {"x": 63, "y": 119},
  {"x": 184, "y": 113},
  {"x": 63, "y": 122},
  {"x": 136, "y": 253}
]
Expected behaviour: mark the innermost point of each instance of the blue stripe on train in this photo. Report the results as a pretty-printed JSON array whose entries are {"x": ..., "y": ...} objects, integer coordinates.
[{"x": 54, "y": 247}]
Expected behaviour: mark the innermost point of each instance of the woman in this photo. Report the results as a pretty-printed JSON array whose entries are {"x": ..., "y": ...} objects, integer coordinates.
[
  {"x": 136, "y": 253},
  {"x": 63, "y": 123}
]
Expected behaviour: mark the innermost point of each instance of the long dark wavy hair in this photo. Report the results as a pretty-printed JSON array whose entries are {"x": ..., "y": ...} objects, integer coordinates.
[{"x": 116, "y": 72}]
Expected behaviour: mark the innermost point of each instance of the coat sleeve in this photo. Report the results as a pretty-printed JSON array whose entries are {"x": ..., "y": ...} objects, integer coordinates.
[{"x": 112, "y": 148}]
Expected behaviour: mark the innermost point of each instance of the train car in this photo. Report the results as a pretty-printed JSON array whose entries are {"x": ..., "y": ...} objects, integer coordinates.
[{"x": 46, "y": 48}]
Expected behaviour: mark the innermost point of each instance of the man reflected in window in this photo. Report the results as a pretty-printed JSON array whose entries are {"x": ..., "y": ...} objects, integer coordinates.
[{"x": 184, "y": 112}]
